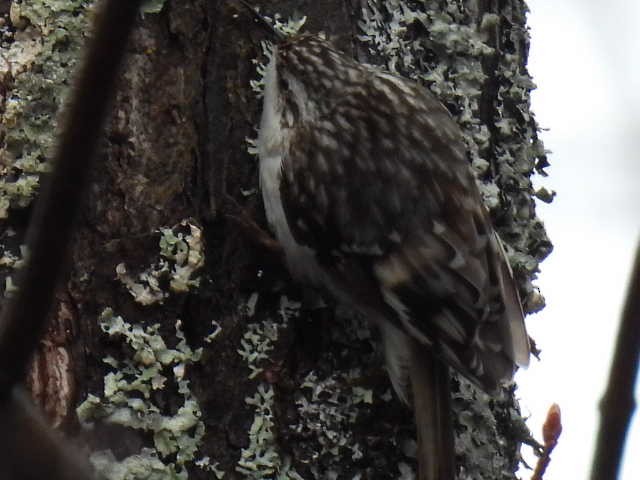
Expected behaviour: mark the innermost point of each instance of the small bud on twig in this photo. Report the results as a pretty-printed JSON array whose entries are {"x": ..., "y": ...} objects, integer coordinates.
[{"x": 551, "y": 431}]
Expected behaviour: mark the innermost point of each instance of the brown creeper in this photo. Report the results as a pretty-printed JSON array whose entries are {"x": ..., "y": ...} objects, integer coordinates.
[{"x": 367, "y": 186}]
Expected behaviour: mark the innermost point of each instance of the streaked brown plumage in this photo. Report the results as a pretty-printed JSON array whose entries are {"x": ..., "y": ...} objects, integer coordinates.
[{"x": 367, "y": 186}]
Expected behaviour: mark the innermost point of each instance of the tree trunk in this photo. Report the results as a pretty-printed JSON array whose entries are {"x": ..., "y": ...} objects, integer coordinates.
[{"x": 185, "y": 346}]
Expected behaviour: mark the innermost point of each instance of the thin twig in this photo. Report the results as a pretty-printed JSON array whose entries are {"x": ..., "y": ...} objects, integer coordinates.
[{"x": 617, "y": 404}]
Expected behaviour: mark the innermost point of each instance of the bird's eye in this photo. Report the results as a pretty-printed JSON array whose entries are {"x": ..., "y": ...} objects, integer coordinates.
[{"x": 284, "y": 84}]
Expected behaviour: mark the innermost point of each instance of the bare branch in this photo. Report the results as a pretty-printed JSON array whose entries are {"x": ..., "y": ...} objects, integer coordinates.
[
  {"x": 617, "y": 404},
  {"x": 23, "y": 319},
  {"x": 29, "y": 449}
]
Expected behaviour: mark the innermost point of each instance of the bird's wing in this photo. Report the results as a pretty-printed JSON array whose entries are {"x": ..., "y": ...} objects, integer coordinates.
[{"x": 381, "y": 190}]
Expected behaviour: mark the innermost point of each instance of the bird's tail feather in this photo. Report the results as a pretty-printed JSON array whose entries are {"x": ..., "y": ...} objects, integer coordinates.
[{"x": 431, "y": 389}]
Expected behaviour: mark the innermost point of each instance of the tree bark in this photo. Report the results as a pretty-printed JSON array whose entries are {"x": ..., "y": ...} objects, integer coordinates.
[{"x": 185, "y": 345}]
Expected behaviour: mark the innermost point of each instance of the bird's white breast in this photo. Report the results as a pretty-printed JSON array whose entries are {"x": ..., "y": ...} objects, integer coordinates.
[{"x": 272, "y": 143}]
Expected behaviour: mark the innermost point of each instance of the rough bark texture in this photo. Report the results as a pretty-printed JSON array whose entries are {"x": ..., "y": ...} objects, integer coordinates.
[{"x": 236, "y": 369}]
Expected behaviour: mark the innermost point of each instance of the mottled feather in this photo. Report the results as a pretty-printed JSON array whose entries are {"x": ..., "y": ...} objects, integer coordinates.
[{"x": 376, "y": 183}]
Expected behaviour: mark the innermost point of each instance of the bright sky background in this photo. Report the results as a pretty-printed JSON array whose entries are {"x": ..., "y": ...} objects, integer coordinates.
[{"x": 585, "y": 60}]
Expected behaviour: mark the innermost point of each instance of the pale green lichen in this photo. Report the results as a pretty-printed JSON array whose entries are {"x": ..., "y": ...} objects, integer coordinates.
[
  {"x": 186, "y": 251},
  {"x": 256, "y": 344},
  {"x": 327, "y": 408},
  {"x": 181, "y": 257},
  {"x": 144, "y": 466},
  {"x": 335, "y": 408},
  {"x": 127, "y": 400},
  {"x": 216, "y": 329},
  {"x": 10, "y": 261},
  {"x": 36, "y": 70},
  {"x": 145, "y": 287},
  {"x": 262, "y": 458},
  {"x": 259, "y": 338}
]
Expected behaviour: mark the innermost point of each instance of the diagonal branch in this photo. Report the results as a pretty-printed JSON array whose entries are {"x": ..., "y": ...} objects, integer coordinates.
[
  {"x": 23, "y": 319},
  {"x": 29, "y": 449}
]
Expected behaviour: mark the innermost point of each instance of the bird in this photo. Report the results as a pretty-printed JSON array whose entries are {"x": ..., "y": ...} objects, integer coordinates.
[{"x": 367, "y": 187}]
